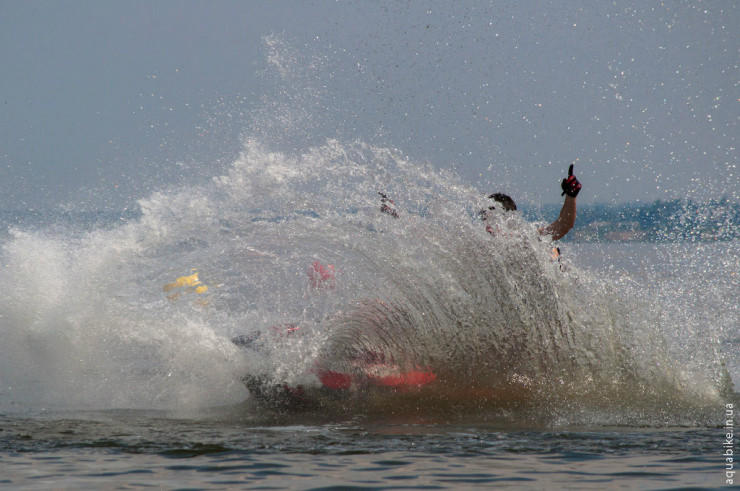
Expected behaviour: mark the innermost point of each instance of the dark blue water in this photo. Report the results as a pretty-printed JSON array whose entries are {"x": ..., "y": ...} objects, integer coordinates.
[{"x": 118, "y": 449}]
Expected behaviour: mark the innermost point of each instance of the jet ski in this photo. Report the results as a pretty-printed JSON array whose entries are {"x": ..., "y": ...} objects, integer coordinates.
[{"x": 359, "y": 373}]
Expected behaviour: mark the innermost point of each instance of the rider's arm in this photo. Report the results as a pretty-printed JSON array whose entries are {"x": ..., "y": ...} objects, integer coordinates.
[
  {"x": 567, "y": 218},
  {"x": 565, "y": 221}
]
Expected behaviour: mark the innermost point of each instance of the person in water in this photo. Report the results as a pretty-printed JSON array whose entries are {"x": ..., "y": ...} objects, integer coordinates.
[
  {"x": 557, "y": 229},
  {"x": 566, "y": 219}
]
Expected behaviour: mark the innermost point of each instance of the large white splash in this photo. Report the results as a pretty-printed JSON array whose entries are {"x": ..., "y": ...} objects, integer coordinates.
[
  {"x": 140, "y": 314},
  {"x": 97, "y": 319}
]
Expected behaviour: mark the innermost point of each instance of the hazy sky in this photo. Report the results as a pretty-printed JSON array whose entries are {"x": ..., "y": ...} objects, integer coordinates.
[{"x": 102, "y": 102}]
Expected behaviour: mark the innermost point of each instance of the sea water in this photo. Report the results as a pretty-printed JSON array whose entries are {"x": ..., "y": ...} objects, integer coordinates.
[{"x": 613, "y": 366}]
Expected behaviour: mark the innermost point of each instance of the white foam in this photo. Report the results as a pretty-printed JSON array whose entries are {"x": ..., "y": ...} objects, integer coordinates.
[{"x": 86, "y": 323}]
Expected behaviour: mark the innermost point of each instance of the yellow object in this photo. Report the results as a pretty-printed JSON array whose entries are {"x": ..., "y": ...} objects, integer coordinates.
[
  {"x": 191, "y": 280},
  {"x": 187, "y": 284}
]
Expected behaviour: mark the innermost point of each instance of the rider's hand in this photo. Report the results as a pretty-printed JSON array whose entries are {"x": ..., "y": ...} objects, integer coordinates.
[{"x": 570, "y": 184}]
